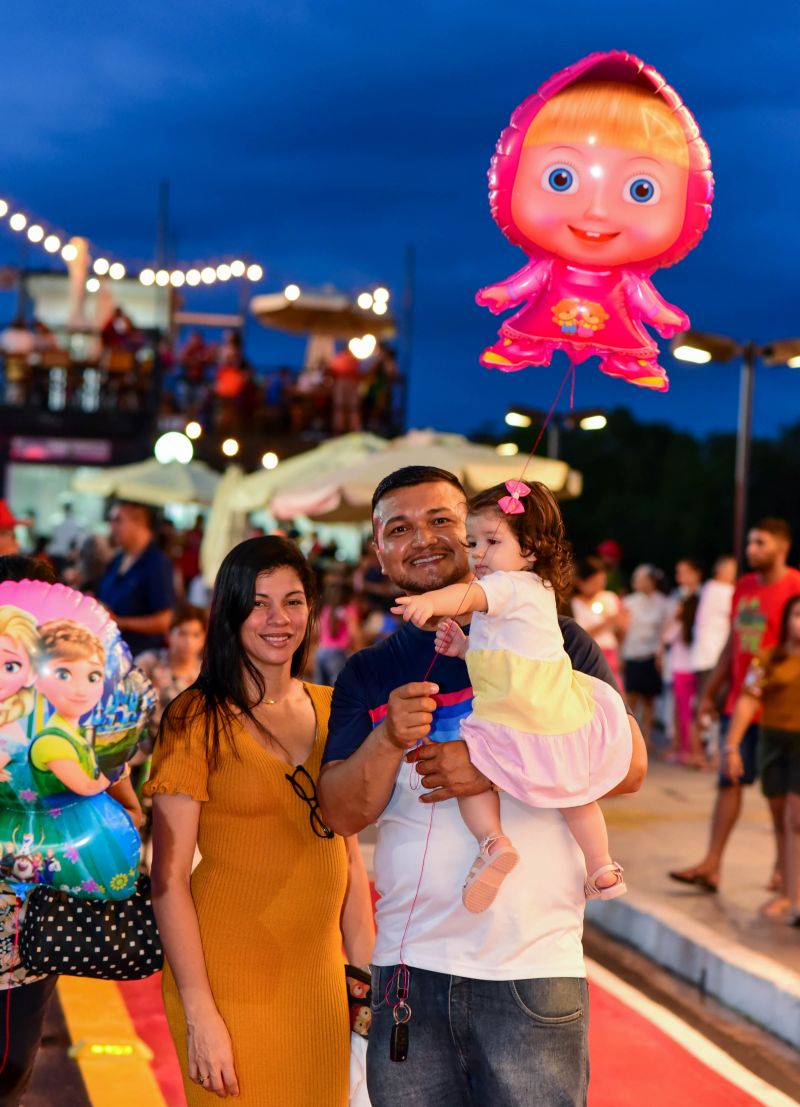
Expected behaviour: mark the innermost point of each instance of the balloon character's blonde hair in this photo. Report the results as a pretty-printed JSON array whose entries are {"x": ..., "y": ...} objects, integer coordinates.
[
  {"x": 20, "y": 626},
  {"x": 611, "y": 114},
  {"x": 69, "y": 641}
]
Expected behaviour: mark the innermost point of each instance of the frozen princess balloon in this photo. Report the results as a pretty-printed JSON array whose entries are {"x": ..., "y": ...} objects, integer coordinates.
[
  {"x": 601, "y": 178},
  {"x": 19, "y": 646},
  {"x": 99, "y": 854}
]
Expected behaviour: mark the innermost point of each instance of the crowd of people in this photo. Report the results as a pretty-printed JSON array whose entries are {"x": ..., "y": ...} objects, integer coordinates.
[
  {"x": 218, "y": 385},
  {"x": 213, "y": 382},
  {"x": 245, "y": 723}
]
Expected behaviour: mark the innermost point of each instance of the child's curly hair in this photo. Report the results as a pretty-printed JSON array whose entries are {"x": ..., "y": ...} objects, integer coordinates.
[{"x": 539, "y": 529}]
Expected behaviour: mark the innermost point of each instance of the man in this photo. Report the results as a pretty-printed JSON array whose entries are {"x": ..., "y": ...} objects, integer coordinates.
[
  {"x": 485, "y": 992},
  {"x": 137, "y": 587},
  {"x": 757, "y": 606}
]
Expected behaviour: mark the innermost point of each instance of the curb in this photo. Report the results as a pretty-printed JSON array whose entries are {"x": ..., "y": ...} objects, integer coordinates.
[{"x": 764, "y": 991}]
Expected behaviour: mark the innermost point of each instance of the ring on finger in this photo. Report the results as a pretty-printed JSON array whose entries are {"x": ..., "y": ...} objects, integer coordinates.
[{"x": 201, "y": 1079}]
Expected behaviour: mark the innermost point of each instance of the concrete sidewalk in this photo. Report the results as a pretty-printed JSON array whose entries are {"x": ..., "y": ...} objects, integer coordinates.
[{"x": 718, "y": 941}]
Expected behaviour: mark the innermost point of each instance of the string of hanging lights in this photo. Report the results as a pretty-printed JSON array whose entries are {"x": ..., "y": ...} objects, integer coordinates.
[{"x": 56, "y": 242}]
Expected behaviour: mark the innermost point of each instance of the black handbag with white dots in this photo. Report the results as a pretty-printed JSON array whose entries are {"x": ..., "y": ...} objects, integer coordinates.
[{"x": 103, "y": 939}]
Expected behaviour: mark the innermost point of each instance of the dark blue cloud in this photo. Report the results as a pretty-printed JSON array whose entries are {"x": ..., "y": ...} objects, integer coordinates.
[{"x": 326, "y": 138}]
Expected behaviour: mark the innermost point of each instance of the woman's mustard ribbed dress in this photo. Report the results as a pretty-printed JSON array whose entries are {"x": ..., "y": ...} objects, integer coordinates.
[{"x": 268, "y": 895}]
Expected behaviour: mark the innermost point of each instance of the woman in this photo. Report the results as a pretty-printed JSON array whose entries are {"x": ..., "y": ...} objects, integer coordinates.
[
  {"x": 597, "y": 610},
  {"x": 773, "y": 683},
  {"x": 254, "y": 989},
  {"x": 339, "y": 630},
  {"x": 647, "y": 609}
]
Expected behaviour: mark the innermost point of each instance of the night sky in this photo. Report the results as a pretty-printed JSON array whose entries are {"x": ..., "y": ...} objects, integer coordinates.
[{"x": 324, "y": 138}]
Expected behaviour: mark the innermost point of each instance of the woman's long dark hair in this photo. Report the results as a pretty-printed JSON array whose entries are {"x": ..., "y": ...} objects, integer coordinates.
[{"x": 227, "y": 675}]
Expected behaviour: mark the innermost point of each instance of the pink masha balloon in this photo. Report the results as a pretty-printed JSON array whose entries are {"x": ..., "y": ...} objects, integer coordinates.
[{"x": 601, "y": 178}]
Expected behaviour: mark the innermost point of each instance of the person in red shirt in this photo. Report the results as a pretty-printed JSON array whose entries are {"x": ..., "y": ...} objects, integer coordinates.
[
  {"x": 758, "y": 602},
  {"x": 346, "y": 375}
]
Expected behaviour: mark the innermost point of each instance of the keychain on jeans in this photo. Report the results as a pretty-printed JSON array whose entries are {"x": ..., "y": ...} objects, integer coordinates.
[{"x": 401, "y": 1013}]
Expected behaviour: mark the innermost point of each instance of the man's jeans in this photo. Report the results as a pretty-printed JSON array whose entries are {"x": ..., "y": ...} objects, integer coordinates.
[{"x": 481, "y": 1043}]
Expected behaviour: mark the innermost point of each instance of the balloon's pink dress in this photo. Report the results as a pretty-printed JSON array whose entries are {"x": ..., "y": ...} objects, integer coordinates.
[{"x": 548, "y": 735}]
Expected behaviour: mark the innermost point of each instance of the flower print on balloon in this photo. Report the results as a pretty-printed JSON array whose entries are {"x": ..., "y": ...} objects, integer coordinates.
[{"x": 601, "y": 178}]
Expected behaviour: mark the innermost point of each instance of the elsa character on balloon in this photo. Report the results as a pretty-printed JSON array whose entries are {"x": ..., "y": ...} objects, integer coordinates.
[
  {"x": 19, "y": 651},
  {"x": 545, "y": 735},
  {"x": 97, "y": 847},
  {"x": 601, "y": 178}
]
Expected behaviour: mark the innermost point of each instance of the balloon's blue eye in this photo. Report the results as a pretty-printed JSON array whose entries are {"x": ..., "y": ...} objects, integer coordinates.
[
  {"x": 560, "y": 179},
  {"x": 642, "y": 190}
]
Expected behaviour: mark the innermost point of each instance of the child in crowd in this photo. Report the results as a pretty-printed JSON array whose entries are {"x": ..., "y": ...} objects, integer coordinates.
[{"x": 545, "y": 734}]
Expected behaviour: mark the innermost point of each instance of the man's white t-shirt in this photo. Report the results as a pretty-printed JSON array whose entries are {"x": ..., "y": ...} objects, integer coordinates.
[{"x": 500, "y": 943}]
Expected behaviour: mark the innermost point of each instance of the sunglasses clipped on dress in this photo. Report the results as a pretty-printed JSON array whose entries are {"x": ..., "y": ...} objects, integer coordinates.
[{"x": 303, "y": 785}]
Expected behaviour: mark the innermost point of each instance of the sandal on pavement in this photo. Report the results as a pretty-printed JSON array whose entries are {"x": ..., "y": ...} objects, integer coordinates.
[
  {"x": 696, "y": 880},
  {"x": 619, "y": 888},
  {"x": 488, "y": 872}
]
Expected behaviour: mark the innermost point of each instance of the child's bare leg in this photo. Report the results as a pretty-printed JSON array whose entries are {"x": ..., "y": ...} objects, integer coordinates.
[
  {"x": 497, "y": 856},
  {"x": 481, "y": 813},
  {"x": 588, "y": 828}
]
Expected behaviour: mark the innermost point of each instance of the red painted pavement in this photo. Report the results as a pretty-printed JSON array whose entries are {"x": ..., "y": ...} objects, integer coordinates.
[
  {"x": 633, "y": 1062},
  {"x": 143, "y": 1000}
]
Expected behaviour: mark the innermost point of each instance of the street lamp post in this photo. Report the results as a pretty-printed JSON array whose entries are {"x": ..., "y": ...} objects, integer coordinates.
[
  {"x": 700, "y": 348},
  {"x": 744, "y": 435},
  {"x": 524, "y": 417}
]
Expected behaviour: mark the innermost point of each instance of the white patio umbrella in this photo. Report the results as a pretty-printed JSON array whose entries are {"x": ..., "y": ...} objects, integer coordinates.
[
  {"x": 320, "y": 312},
  {"x": 238, "y": 494},
  {"x": 345, "y": 494},
  {"x": 225, "y": 526},
  {"x": 151, "y": 482},
  {"x": 257, "y": 490}
]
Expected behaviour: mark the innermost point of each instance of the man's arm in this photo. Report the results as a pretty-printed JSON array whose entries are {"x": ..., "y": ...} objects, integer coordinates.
[
  {"x": 353, "y": 791},
  {"x": 637, "y": 770}
]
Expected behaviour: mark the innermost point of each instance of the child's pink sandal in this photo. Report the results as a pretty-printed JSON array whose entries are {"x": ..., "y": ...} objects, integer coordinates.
[
  {"x": 591, "y": 891},
  {"x": 488, "y": 872}
]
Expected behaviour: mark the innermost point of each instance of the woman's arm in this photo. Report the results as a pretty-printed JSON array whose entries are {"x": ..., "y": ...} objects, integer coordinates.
[
  {"x": 175, "y": 822},
  {"x": 455, "y": 599},
  {"x": 357, "y": 924}
]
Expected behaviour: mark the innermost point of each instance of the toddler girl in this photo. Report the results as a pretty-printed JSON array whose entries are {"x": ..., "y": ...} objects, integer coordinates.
[{"x": 547, "y": 735}]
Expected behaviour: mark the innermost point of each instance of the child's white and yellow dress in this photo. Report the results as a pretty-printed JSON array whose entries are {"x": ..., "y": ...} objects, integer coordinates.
[{"x": 544, "y": 733}]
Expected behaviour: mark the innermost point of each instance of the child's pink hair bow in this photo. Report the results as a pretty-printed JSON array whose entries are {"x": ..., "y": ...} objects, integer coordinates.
[{"x": 510, "y": 504}]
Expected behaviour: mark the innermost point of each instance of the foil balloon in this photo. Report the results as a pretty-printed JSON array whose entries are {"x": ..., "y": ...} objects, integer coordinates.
[
  {"x": 72, "y": 709},
  {"x": 601, "y": 178}
]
